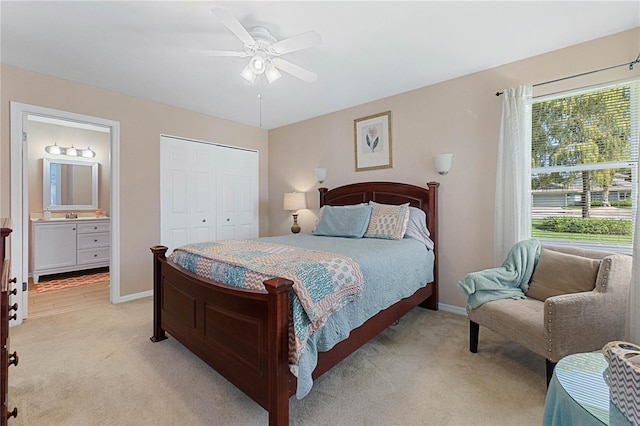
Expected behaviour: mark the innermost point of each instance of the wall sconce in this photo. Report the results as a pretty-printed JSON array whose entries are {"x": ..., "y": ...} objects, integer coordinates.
[
  {"x": 321, "y": 174},
  {"x": 295, "y": 201},
  {"x": 443, "y": 163},
  {"x": 71, "y": 152}
]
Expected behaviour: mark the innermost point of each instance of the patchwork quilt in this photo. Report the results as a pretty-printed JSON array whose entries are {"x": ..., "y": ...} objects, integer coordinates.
[{"x": 323, "y": 282}]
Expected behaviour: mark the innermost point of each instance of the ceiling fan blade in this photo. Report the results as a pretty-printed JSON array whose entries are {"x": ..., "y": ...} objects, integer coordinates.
[
  {"x": 294, "y": 70},
  {"x": 234, "y": 25},
  {"x": 299, "y": 42},
  {"x": 236, "y": 53}
]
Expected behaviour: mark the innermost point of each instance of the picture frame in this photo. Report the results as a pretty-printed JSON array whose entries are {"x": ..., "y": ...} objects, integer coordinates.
[{"x": 372, "y": 142}]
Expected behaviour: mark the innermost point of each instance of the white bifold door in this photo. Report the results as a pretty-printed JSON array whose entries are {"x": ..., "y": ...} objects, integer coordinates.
[{"x": 208, "y": 192}]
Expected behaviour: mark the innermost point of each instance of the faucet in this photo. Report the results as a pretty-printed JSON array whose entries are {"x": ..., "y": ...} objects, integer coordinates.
[{"x": 71, "y": 216}]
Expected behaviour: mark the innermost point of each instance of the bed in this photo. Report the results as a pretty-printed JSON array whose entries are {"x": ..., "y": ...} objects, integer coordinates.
[{"x": 244, "y": 334}]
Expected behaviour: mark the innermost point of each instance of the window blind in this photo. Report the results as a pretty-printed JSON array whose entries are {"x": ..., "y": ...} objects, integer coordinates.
[{"x": 584, "y": 166}]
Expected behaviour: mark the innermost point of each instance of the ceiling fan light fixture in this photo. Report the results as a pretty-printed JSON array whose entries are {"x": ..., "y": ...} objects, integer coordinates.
[
  {"x": 271, "y": 72},
  {"x": 248, "y": 75},
  {"x": 257, "y": 64}
]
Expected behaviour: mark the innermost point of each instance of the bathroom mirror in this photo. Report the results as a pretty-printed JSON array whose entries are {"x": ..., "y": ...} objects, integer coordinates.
[{"x": 69, "y": 184}]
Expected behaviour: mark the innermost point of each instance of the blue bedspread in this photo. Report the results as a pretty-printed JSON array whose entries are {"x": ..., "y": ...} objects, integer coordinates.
[{"x": 391, "y": 270}]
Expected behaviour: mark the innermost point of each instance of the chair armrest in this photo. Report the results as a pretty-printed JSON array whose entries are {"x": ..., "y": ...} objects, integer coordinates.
[
  {"x": 583, "y": 322},
  {"x": 614, "y": 274}
]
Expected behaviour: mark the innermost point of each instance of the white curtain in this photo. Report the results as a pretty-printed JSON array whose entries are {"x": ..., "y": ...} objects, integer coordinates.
[
  {"x": 513, "y": 174},
  {"x": 634, "y": 296}
]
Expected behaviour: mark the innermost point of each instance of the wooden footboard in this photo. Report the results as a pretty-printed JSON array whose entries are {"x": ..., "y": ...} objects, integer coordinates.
[{"x": 243, "y": 334}]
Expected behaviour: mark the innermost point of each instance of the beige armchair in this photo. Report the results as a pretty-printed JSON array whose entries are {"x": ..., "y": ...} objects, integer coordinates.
[{"x": 563, "y": 324}]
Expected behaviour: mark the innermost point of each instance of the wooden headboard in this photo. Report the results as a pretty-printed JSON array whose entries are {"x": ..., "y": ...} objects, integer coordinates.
[{"x": 388, "y": 193}]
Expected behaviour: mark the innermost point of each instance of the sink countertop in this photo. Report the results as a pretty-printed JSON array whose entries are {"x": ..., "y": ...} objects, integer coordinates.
[{"x": 63, "y": 219}]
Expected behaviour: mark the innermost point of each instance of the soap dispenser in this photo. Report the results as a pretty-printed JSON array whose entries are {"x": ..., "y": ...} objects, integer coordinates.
[{"x": 47, "y": 214}]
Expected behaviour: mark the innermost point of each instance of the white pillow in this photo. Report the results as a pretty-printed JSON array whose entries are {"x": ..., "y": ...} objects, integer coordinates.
[
  {"x": 417, "y": 227},
  {"x": 388, "y": 221}
]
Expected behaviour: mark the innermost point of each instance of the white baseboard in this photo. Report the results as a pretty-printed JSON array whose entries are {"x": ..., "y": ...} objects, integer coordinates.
[
  {"x": 134, "y": 296},
  {"x": 453, "y": 309}
]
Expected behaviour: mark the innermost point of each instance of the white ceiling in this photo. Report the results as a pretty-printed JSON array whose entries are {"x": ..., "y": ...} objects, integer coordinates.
[{"x": 370, "y": 50}]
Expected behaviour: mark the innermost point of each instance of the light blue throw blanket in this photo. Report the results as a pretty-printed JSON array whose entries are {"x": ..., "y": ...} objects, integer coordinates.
[{"x": 510, "y": 281}]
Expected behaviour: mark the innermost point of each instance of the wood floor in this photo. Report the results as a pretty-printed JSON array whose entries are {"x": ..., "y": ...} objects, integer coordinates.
[{"x": 67, "y": 299}]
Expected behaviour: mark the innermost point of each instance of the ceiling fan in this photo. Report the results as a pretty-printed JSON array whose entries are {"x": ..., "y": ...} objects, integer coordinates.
[{"x": 265, "y": 51}]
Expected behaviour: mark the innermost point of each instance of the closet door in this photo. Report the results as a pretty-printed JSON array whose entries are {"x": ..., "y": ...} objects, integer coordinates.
[
  {"x": 188, "y": 192},
  {"x": 237, "y": 205}
]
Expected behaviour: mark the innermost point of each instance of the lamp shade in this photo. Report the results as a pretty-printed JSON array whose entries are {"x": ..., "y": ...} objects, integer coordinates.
[
  {"x": 53, "y": 149},
  {"x": 321, "y": 174},
  {"x": 271, "y": 73},
  {"x": 71, "y": 151},
  {"x": 88, "y": 153},
  {"x": 443, "y": 163},
  {"x": 295, "y": 201}
]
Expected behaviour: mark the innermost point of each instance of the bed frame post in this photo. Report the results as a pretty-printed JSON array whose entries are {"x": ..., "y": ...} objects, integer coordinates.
[
  {"x": 432, "y": 220},
  {"x": 278, "y": 359},
  {"x": 158, "y": 257}
]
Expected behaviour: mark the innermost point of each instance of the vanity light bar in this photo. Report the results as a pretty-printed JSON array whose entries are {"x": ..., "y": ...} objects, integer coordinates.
[{"x": 71, "y": 152}]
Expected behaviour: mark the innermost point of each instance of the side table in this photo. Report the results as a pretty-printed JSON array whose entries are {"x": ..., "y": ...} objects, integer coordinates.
[{"x": 579, "y": 395}]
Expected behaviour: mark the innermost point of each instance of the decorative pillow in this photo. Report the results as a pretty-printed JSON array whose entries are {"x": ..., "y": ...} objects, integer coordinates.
[
  {"x": 341, "y": 222},
  {"x": 417, "y": 227},
  {"x": 349, "y": 206},
  {"x": 388, "y": 221},
  {"x": 562, "y": 273}
]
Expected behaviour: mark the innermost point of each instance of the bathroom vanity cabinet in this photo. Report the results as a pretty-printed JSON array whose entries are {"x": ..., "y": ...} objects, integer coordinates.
[{"x": 67, "y": 245}]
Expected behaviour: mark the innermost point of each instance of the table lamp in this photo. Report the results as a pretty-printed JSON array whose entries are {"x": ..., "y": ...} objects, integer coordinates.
[{"x": 295, "y": 201}]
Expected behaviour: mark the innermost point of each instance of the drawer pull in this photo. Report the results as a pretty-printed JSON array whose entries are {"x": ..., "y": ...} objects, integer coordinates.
[
  {"x": 12, "y": 317},
  {"x": 95, "y": 255},
  {"x": 13, "y": 307},
  {"x": 95, "y": 227},
  {"x": 73, "y": 229},
  {"x": 13, "y": 280},
  {"x": 95, "y": 241},
  {"x": 12, "y": 413},
  {"x": 14, "y": 291},
  {"x": 13, "y": 359}
]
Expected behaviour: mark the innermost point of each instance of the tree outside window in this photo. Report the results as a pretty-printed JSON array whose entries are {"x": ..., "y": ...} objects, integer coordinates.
[{"x": 584, "y": 161}]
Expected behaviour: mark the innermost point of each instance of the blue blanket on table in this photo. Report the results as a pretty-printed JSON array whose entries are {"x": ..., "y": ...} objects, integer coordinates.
[{"x": 509, "y": 281}]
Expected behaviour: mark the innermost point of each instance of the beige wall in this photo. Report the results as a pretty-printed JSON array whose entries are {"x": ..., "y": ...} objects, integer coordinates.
[
  {"x": 460, "y": 116},
  {"x": 141, "y": 123}
]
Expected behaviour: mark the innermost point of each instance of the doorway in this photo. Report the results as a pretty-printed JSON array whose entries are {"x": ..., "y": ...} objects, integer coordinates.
[{"x": 28, "y": 125}]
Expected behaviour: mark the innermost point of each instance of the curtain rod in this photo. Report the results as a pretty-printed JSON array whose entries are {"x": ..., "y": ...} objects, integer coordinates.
[{"x": 629, "y": 64}]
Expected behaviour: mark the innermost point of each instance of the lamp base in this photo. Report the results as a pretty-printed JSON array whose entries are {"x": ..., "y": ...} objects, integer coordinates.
[{"x": 295, "y": 228}]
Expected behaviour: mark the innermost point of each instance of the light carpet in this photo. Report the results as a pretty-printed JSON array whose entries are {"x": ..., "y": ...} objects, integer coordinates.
[{"x": 98, "y": 367}]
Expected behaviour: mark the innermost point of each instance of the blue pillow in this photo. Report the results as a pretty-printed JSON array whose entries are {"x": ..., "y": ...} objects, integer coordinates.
[{"x": 341, "y": 222}]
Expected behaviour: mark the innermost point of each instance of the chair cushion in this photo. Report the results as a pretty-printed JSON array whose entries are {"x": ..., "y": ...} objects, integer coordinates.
[{"x": 562, "y": 273}]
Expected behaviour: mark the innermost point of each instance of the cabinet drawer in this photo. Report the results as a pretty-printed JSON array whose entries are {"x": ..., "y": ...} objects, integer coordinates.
[
  {"x": 86, "y": 241},
  {"x": 97, "y": 255},
  {"x": 86, "y": 228}
]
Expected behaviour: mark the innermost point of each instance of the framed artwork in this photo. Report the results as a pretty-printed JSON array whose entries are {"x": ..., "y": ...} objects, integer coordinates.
[{"x": 372, "y": 142}]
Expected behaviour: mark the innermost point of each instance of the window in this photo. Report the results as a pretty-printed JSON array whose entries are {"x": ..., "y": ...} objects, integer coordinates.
[{"x": 584, "y": 167}]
